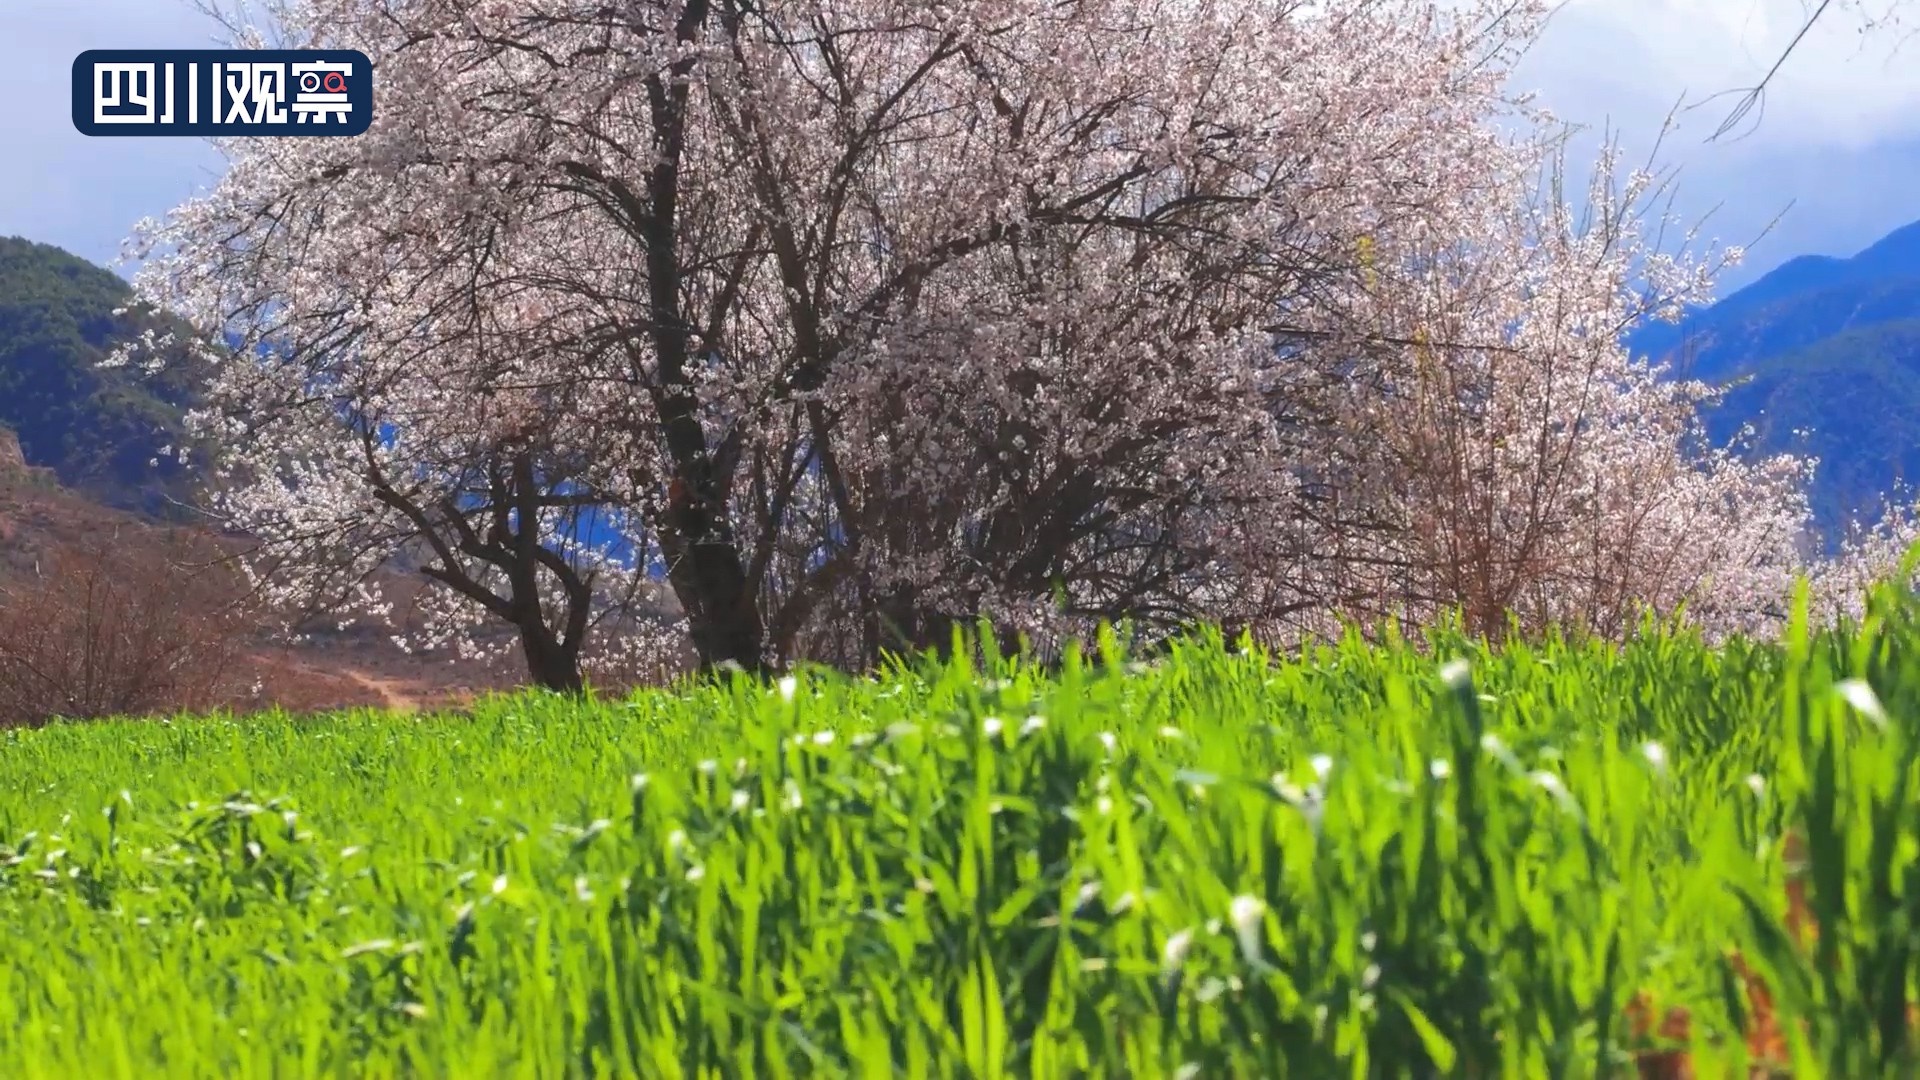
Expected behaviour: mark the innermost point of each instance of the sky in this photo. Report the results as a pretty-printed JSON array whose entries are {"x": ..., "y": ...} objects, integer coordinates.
[
  {"x": 1835, "y": 144},
  {"x": 1837, "y": 147}
]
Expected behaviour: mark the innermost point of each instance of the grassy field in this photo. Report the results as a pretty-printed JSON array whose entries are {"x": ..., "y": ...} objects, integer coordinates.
[{"x": 1410, "y": 860}]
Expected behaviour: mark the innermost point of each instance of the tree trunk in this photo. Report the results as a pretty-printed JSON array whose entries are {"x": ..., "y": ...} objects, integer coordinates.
[
  {"x": 708, "y": 573},
  {"x": 550, "y": 663},
  {"x": 722, "y": 615},
  {"x": 900, "y": 625}
]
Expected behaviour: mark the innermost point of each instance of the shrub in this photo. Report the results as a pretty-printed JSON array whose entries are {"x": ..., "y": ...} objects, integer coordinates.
[{"x": 140, "y": 624}]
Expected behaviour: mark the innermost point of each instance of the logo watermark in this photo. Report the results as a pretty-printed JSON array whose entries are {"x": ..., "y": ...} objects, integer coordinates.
[{"x": 223, "y": 92}]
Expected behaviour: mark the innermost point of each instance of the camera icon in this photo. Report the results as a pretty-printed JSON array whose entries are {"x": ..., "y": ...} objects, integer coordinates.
[
  {"x": 317, "y": 82},
  {"x": 320, "y": 92}
]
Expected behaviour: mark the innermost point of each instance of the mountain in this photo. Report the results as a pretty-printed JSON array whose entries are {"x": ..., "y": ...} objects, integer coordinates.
[
  {"x": 1821, "y": 356},
  {"x": 77, "y": 450},
  {"x": 99, "y": 431}
]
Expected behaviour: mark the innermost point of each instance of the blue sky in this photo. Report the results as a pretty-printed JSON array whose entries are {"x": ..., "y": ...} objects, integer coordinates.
[
  {"x": 57, "y": 186},
  {"x": 1840, "y": 139},
  {"x": 1838, "y": 143}
]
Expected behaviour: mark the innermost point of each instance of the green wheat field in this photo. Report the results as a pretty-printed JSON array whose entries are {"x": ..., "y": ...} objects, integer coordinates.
[{"x": 1416, "y": 858}]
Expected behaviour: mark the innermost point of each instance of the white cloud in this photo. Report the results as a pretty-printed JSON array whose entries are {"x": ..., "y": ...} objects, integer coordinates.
[
  {"x": 1632, "y": 59},
  {"x": 1835, "y": 148}
]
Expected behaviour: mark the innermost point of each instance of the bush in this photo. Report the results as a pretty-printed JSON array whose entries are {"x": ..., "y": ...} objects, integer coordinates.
[{"x": 145, "y": 624}]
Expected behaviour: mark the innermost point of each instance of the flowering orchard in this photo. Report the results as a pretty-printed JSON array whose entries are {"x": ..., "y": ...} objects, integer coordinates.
[{"x": 852, "y": 320}]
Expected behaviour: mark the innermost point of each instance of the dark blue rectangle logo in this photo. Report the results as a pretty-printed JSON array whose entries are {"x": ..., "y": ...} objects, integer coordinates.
[{"x": 222, "y": 92}]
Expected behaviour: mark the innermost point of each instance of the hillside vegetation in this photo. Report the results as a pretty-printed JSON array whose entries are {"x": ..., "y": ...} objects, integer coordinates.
[
  {"x": 1361, "y": 862},
  {"x": 99, "y": 430},
  {"x": 1852, "y": 400},
  {"x": 1821, "y": 356}
]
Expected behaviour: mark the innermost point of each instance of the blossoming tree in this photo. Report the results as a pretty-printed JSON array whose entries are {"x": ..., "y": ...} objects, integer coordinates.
[{"x": 852, "y": 319}]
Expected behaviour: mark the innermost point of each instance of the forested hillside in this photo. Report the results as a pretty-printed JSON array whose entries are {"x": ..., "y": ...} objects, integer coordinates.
[
  {"x": 99, "y": 430},
  {"x": 1822, "y": 356}
]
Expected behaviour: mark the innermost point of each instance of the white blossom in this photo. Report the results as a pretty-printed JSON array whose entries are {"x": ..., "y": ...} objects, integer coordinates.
[{"x": 1251, "y": 312}]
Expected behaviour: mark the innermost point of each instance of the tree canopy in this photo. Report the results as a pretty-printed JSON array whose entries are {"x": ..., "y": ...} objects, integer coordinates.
[{"x": 855, "y": 320}]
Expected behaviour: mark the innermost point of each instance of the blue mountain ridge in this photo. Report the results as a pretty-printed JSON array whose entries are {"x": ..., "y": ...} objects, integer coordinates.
[{"x": 1822, "y": 357}]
